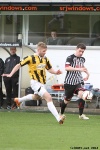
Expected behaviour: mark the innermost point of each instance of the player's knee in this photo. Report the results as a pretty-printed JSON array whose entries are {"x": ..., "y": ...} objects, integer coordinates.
[
  {"x": 80, "y": 94},
  {"x": 47, "y": 97},
  {"x": 66, "y": 101}
]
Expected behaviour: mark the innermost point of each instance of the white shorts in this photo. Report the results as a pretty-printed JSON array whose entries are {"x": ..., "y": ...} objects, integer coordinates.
[{"x": 37, "y": 87}]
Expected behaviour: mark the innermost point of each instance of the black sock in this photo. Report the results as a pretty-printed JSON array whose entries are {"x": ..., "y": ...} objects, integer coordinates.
[
  {"x": 63, "y": 106},
  {"x": 81, "y": 104},
  {"x": 80, "y": 111}
]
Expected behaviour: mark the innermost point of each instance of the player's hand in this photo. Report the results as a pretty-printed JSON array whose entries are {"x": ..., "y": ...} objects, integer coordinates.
[
  {"x": 6, "y": 75},
  {"x": 58, "y": 72},
  {"x": 85, "y": 79}
]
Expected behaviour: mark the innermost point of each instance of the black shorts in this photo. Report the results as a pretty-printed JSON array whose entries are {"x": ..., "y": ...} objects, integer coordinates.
[{"x": 70, "y": 90}]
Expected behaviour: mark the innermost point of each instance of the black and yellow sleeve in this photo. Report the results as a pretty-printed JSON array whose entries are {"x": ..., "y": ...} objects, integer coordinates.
[
  {"x": 26, "y": 60},
  {"x": 48, "y": 64}
]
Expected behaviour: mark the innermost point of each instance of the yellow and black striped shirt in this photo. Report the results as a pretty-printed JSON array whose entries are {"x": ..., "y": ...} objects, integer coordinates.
[{"x": 37, "y": 67}]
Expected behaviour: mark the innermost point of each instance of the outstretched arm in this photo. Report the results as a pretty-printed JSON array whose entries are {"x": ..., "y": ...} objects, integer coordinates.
[
  {"x": 55, "y": 72},
  {"x": 13, "y": 71}
]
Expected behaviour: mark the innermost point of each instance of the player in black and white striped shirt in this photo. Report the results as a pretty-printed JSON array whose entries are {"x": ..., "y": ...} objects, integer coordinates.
[
  {"x": 74, "y": 81},
  {"x": 74, "y": 76}
]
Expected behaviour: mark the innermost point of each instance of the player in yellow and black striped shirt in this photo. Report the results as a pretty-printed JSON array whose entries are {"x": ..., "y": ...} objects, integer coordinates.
[
  {"x": 38, "y": 63},
  {"x": 37, "y": 67}
]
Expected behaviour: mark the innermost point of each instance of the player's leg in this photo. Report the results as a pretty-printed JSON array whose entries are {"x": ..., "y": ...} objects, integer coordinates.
[
  {"x": 63, "y": 106},
  {"x": 85, "y": 94},
  {"x": 35, "y": 87},
  {"x": 28, "y": 97},
  {"x": 41, "y": 91},
  {"x": 81, "y": 103},
  {"x": 45, "y": 95},
  {"x": 69, "y": 89}
]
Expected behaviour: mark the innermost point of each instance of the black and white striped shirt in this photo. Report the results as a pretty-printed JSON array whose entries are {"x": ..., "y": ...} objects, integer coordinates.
[{"x": 74, "y": 77}]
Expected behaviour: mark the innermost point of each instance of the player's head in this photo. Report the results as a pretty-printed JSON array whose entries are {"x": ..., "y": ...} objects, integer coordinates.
[
  {"x": 12, "y": 50},
  {"x": 41, "y": 49},
  {"x": 80, "y": 49}
]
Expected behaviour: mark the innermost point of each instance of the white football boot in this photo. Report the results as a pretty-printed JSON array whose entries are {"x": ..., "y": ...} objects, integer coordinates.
[{"x": 83, "y": 117}]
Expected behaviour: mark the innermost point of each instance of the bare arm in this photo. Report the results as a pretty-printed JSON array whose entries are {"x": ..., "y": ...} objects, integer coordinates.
[
  {"x": 87, "y": 75},
  {"x": 69, "y": 68},
  {"x": 83, "y": 69},
  {"x": 17, "y": 67},
  {"x": 54, "y": 72}
]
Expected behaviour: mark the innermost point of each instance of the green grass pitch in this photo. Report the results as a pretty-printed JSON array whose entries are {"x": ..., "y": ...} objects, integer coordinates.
[{"x": 41, "y": 131}]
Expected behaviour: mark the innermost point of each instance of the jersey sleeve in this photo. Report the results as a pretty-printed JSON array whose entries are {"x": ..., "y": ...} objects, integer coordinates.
[
  {"x": 48, "y": 64},
  {"x": 26, "y": 60},
  {"x": 68, "y": 61},
  {"x": 83, "y": 59}
]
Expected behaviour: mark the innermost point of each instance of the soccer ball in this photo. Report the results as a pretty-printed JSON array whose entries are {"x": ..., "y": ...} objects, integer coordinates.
[{"x": 87, "y": 96}]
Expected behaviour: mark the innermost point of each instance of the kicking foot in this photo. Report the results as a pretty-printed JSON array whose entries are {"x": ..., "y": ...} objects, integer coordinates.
[
  {"x": 16, "y": 100},
  {"x": 62, "y": 118}
]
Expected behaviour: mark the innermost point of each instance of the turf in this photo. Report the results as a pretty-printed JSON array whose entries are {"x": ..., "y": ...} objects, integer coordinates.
[{"x": 40, "y": 131}]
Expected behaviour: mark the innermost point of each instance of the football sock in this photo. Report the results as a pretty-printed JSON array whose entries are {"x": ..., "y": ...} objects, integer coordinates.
[
  {"x": 80, "y": 111},
  {"x": 81, "y": 104},
  {"x": 53, "y": 110},
  {"x": 63, "y": 106},
  {"x": 26, "y": 98}
]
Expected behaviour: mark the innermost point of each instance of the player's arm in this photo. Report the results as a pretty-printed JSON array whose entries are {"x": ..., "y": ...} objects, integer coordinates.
[
  {"x": 70, "y": 68},
  {"x": 50, "y": 69},
  {"x": 17, "y": 67},
  {"x": 54, "y": 71},
  {"x": 26, "y": 60},
  {"x": 83, "y": 69},
  {"x": 87, "y": 75}
]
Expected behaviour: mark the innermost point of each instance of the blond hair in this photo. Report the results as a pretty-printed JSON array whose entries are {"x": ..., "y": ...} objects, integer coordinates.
[{"x": 42, "y": 45}]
